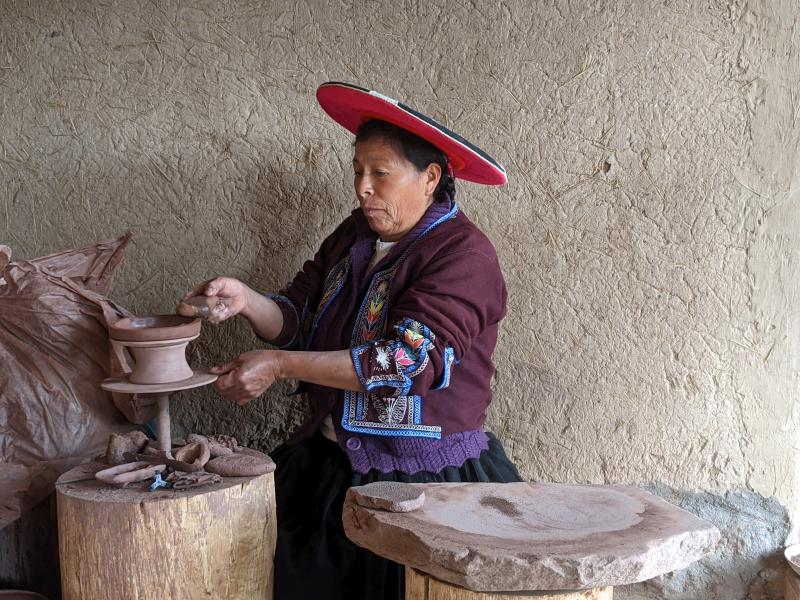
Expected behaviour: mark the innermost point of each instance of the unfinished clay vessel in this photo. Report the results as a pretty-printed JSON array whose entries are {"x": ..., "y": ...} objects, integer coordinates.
[
  {"x": 155, "y": 328},
  {"x": 158, "y": 346},
  {"x": 240, "y": 465},
  {"x": 129, "y": 473},
  {"x": 393, "y": 496}
]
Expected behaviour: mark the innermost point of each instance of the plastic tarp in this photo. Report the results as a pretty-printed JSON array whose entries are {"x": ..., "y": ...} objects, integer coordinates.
[{"x": 54, "y": 353}]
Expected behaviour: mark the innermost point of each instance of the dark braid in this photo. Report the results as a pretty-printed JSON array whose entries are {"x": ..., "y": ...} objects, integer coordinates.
[
  {"x": 446, "y": 185},
  {"x": 417, "y": 151}
]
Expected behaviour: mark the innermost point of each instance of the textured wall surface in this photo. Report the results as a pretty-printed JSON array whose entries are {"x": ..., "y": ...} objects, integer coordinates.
[{"x": 649, "y": 234}]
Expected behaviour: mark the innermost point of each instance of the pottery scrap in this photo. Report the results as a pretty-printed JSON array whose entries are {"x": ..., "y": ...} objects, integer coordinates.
[
  {"x": 185, "y": 481},
  {"x": 177, "y": 465},
  {"x": 195, "y": 454},
  {"x": 218, "y": 445},
  {"x": 393, "y": 496},
  {"x": 226, "y": 440},
  {"x": 240, "y": 464},
  {"x": 129, "y": 473},
  {"x": 118, "y": 444}
]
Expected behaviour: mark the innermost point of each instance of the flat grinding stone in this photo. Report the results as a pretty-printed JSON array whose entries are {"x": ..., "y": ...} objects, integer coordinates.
[
  {"x": 240, "y": 464},
  {"x": 529, "y": 536},
  {"x": 390, "y": 495}
]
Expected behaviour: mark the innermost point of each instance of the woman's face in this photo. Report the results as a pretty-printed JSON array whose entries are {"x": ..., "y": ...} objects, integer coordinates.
[{"x": 392, "y": 193}]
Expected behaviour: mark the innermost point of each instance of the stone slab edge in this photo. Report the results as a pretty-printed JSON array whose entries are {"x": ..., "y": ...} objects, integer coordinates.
[{"x": 490, "y": 569}]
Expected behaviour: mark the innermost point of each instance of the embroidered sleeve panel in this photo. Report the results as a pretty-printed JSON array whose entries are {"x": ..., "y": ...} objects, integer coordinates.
[
  {"x": 458, "y": 296},
  {"x": 390, "y": 366}
]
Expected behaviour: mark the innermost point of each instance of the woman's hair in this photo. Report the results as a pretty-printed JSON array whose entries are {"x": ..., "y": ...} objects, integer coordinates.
[{"x": 416, "y": 151}]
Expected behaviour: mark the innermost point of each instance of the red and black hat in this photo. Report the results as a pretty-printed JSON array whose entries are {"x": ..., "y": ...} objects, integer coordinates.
[{"x": 350, "y": 106}]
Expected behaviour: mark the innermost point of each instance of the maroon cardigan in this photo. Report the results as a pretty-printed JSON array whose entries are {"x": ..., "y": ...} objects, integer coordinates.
[{"x": 421, "y": 327}]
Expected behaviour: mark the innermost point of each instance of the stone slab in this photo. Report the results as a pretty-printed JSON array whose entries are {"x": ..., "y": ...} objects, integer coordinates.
[
  {"x": 393, "y": 496},
  {"x": 532, "y": 536}
]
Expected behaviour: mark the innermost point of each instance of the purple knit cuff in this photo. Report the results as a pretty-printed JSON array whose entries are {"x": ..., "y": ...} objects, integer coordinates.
[
  {"x": 291, "y": 322},
  {"x": 410, "y": 455}
]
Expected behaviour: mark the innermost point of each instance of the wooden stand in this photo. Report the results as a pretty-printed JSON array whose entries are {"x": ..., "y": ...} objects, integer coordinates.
[
  {"x": 792, "y": 591},
  {"x": 211, "y": 542},
  {"x": 420, "y": 586}
]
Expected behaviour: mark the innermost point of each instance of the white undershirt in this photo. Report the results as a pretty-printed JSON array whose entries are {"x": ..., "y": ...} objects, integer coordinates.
[{"x": 381, "y": 249}]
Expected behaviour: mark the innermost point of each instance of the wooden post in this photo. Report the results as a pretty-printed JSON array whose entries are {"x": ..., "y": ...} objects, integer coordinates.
[
  {"x": 420, "y": 586},
  {"x": 164, "y": 427},
  {"x": 792, "y": 591},
  {"x": 210, "y": 542}
]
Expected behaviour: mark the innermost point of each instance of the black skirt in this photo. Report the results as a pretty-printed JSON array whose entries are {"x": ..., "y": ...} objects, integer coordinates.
[{"x": 314, "y": 560}]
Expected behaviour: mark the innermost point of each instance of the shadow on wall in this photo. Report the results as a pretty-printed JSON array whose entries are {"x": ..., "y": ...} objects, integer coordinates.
[{"x": 748, "y": 562}]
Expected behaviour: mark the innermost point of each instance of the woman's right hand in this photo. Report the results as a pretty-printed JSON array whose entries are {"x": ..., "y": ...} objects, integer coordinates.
[{"x": 215, "y": 300}]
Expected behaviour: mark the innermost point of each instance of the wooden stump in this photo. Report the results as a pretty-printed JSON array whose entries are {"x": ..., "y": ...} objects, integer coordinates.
[
  {"x": 792, "y": 591},
  {"x": 216, "y": 541},
  {"x": 420, "y": 586}
]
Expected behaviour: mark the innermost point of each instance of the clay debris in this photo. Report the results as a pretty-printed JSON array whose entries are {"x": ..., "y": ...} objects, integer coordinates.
[
  {"x": 185, "y": 481},
  {"x": 218, "y": 445},
  {"x": 196, "y": 461},
  {"x": 121, "y": 444},
  {"x": 204, "y": 307},
  {"x": 195, "y": 455},
  {"x": 127, "y": 473}
]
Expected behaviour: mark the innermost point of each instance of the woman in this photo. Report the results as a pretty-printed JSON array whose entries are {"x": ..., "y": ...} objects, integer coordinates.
[{"x": 390, "y": 330}]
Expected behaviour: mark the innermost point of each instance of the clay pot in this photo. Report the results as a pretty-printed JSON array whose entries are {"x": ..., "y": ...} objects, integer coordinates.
[
  {"x": 158, "y": 346},
  {"x": 157, "y": 328}
]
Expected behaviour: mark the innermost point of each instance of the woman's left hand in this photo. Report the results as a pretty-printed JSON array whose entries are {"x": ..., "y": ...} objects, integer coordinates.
[{"x": 249, "y": 376}]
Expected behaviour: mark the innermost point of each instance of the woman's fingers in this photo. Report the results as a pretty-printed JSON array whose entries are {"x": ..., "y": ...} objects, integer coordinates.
[
  {"x": 223, "y": 368},
  {"x": 233, "y": 384},
  {"x": 247, "y": 377},
  {"x": 215, "y": 286},
  {"x": 198, "y": 290},
  {"x": 215, "y": 300}
]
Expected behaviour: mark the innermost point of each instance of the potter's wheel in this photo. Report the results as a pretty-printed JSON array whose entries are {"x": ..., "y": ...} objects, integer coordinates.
[
  {"x": 124, "y": 386},
  {"x": 158, "y": 346}
]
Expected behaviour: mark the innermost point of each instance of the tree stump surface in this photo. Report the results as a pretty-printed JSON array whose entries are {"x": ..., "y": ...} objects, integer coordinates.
[
  {"x": 216, "y": 541},
  {"x": 501, "y": 537}
]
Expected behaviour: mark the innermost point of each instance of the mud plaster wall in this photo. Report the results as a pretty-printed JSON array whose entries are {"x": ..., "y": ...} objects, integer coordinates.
[{"x": 649, "y": 232}]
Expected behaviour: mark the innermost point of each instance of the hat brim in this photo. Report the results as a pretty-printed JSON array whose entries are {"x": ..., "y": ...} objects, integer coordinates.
[{"x": 350, "y": 106}]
